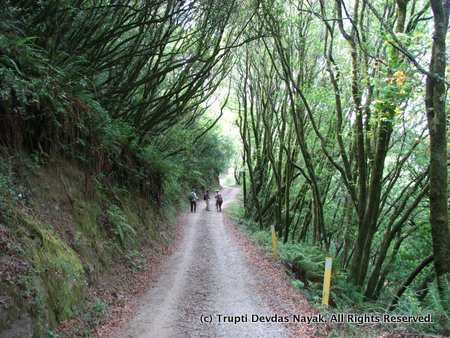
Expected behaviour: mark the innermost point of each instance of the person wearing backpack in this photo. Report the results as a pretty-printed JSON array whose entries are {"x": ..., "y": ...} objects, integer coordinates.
[
  {"x": 219, "y": 200},
  {"x": 193, "y": 199}
]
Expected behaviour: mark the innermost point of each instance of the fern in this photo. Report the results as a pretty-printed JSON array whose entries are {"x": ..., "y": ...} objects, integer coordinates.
[{"x": 122, "y": 227}]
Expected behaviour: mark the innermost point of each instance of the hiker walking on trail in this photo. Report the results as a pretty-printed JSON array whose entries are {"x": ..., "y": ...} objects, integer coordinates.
[
  {"x": 193, "y": 199},
  {"x": 206, "y": 198},
  {"x": 219, "y": 200}
]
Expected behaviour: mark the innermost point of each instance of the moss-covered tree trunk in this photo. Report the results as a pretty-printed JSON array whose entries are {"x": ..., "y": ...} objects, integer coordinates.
[{"x": 437, "y": 125}]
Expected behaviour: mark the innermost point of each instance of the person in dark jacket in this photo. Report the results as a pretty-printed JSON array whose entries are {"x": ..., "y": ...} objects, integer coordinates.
[{"x": 219, "y": 200}]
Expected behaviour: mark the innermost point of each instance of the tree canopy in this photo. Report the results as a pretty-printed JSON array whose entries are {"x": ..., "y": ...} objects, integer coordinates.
[
  {"x": 340, "y": 106},
  {"x": 332, "y": 102}
]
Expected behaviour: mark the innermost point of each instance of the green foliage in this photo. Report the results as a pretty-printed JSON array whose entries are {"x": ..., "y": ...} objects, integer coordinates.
[
  {"x": 312, "y": 262},
  {"x": 68, "y": 97},
  {"x": 124, "y": 92},
  {"x": 309, "y": 256},
  {"x": 410, "y": 305},
  {"x": 236, "y": 211},
  {"x": 94, "y": 313},
  {"x": 438, "y": 308},
  {"x": 97, "y": 309},
  {"x": 51, "y": 334},
  {"x": 203, "y": 157},
  {"x": 346, "y": 145},
  {"x": 122, "y": 227},
  {"x": 92, "y": 47},
  {"x": 53, "y": 289},
  {"x": 263, "y": 238}
]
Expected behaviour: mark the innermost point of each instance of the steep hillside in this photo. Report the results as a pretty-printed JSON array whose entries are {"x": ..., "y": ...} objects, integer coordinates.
[{"x": 57, "y": 241}]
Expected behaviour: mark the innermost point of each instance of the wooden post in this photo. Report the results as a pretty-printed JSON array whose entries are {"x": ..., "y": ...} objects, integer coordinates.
[
  {"x": 327, "y": 281},
  {"x": 244, "y": 188},
  {"x": 274, "y": 242}
]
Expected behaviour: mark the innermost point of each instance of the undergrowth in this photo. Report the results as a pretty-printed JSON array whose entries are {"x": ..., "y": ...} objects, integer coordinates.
[{"x": 306, "y": 265}]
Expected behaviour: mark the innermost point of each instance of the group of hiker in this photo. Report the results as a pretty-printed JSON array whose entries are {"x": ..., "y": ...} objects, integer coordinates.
[{"x": 206, "y": 197}]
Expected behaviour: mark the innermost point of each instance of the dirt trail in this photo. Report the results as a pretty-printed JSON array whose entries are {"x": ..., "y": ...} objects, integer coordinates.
[{"x": 205, "y": 278}]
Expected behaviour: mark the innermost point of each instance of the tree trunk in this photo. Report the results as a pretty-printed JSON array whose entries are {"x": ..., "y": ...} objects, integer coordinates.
[
  {"x": 386, "y": 242},
  {"x": 368, "y": 225},
  {"x": 437, "y": 125},
  {"x": 409, "y": 280}
]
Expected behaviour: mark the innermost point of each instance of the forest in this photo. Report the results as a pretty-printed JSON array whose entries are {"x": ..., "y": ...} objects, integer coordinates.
[{"x": 340, "y": 107}]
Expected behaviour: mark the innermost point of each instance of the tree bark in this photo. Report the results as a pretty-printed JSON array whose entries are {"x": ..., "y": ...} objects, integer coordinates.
[{"x": 437, "y": 125}]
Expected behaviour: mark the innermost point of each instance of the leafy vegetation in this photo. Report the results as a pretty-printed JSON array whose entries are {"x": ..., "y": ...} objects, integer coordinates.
[
  {"x": 306, "y": 264},
  {"x": 120, "y": 91},
  {"x": 341, "y": 111},
  {"x": 337, "y": 148}
]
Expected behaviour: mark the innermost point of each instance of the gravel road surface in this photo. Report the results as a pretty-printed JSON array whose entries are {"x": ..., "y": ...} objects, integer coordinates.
[{"x": 207, "y": 287}]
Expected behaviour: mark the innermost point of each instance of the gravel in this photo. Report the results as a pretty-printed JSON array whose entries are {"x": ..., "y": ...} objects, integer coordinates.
[{"x": 213, "y": 282}]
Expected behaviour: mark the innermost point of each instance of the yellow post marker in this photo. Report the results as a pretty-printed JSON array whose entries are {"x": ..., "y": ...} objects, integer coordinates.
[
  {"x": 327, "y": 281},
  {"x": 274, "y": 242}
]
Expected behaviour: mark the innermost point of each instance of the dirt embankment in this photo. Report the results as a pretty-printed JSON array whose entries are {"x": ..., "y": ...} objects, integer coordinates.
[{"x": 62, "y": 252}]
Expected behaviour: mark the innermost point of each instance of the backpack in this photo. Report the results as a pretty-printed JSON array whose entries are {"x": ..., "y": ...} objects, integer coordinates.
[
  {"x": 192, "y": 197},
  {"x": 219, "y": 198}
]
